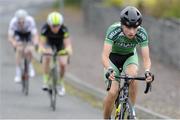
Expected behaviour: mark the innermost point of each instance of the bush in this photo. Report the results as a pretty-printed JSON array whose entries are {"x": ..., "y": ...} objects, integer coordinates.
[
  {"x": 157, "y": 8},
  {"x": 75, "y": 3},
  {"x": 163, "y": 8},
  {"x": 114, "y": 3}
]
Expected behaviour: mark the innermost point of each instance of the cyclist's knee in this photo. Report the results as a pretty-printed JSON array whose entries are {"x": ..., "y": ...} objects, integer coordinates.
[
  {"x": 63, "y": 65},
  {"x": 63, "y": 61},
  {"x": 132, "y": 70},
  {"x": 19, "y": 49},
  {"x": 28, "y": 50},
  {"x": 28, "y": 53},
  {"x": 46, "y": 60}
]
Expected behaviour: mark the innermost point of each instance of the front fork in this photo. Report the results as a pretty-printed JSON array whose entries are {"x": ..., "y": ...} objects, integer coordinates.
[{"x": 121, "y": 101}]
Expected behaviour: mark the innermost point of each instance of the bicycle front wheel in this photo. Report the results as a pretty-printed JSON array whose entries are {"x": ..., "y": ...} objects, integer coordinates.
[
  {"x": 25, "y": 85},
  {"x": 26, "y": 89},
  {"x": 128, "y": 111},
  {"x": 54, "y": 90}
]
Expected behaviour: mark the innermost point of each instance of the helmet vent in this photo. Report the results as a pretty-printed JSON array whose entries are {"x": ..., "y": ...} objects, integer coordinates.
[
  {"x": 138, "y": 13},
  {"x": 126, "y": 13}
]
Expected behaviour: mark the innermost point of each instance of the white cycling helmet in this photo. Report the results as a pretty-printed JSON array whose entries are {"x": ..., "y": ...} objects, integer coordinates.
[
  {"x": 21, "y": 14},
  {"x": 55, "y": 18}
]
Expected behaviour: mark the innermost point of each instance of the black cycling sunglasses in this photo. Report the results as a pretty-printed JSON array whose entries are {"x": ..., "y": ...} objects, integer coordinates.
[
  {"x": 131, "y": 26},
  {"x": 55, "y": 26}
]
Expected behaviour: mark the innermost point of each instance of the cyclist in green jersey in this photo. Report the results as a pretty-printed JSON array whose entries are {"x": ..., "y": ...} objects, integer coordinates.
[{"x": 119, "y": 54}]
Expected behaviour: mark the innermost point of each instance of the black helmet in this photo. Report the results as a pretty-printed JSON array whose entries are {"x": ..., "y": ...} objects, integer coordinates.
[{"x": 130, "y": 16}]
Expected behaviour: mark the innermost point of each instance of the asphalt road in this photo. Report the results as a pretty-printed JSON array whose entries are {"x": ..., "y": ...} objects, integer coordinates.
[{"x": 13, "y": 104}]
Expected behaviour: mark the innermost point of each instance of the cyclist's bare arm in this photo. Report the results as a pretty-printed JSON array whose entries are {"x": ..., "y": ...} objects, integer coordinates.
[
  {"x": 68, "y": 45},
  {"x": 35, "y": 38},
  {"x": 105, "y": 55},
  {"x": 146, "y": 58},
  {"x": 11, "y": 35},
  {"x": 34, "y": 32},
  {"x": 12, "y": 40},
  {"x": 42, "y": 43}
]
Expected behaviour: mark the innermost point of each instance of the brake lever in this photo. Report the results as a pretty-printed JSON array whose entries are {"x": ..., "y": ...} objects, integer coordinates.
[{"x": 148, "y": 85}]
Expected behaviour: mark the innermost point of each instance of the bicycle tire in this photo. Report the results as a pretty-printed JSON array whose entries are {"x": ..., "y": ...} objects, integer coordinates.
[
  {"x": 119, "y": 113},
  {"x": 128, "y": 111},
  {"x": 26, "y": 76},
  {"x": 124, "y": 110},
  {"x": 50, "y": 95},
  {"x": 54, "y": 90},
  {"x": 26, "y": 91},
  {"x": 23, "y": 84}
]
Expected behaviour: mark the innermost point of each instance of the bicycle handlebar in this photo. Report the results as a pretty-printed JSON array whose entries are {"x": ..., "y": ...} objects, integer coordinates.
[
  {"x": 54, "y": 54},
  {"x": 131, "y": 78},
  {"x": 148, "y": 84}
]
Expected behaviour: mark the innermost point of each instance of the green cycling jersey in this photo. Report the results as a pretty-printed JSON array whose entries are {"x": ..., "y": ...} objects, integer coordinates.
[{"x": 120, "y": 43}]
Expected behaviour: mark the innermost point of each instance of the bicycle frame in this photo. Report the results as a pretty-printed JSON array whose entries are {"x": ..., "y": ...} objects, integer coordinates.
[
  {"x": 123, "y": 97},
  {"x": 53, "y": 74}
]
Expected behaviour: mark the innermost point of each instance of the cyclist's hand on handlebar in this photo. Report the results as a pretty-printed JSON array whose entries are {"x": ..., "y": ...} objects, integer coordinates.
[
  {"x": 149, "y": 76},
  {"x": 110, "y": 74},
  {"x": 15, "y": 44},
  {"x": 69, "y": 50},
  {"x": 44, "y": 50}
]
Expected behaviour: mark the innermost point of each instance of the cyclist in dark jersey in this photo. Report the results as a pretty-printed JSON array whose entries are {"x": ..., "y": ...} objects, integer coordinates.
[
  {"x": 119, "y": 54},
  {"x": 55, "y": 34}
]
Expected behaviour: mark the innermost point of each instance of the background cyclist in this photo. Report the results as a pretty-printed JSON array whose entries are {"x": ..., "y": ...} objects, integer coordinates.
[
  {"x": 22, "y": 27},
  {"x": 55, "y": 34}
]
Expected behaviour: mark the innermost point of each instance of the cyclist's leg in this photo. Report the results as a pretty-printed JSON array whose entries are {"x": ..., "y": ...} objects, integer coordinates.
[
  {"x": 18, "y": 52},
  {"x": 131, "y": 68},
  {"x": 46, "y": 62},
  {"x": 63, "y": 65},
  {"x": 112, "y": 94},
  {"x": 28, "y": 53}
]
